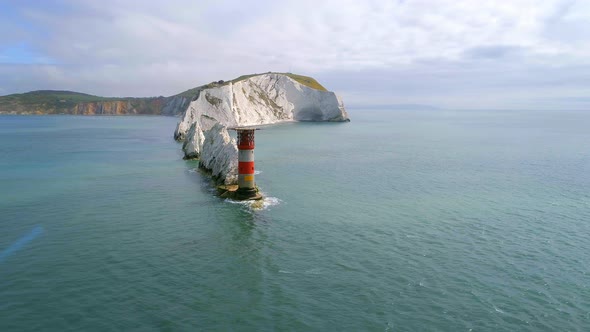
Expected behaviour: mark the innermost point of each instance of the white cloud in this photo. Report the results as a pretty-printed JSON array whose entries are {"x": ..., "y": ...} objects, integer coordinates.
[{"x": 152, "y": 48}]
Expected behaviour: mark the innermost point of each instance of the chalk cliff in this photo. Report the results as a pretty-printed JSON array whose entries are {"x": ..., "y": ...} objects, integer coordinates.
[
  {"x": 259, "y": 100},
  {"x": 254, "y": 100},
  {"x": 219, "y": 154}
]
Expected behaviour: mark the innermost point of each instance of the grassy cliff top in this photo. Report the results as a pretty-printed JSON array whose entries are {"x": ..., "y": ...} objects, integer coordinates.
[
  {"x": 303, "y": 80},
  {"x": 307, "y": 81}
]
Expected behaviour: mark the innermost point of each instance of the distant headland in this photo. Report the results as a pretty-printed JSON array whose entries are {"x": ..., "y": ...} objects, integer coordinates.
[{"x": 76, "y": 103}]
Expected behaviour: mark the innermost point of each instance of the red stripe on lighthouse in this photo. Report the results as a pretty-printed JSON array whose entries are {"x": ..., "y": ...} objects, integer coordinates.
[{"x": 246, "y": 167}]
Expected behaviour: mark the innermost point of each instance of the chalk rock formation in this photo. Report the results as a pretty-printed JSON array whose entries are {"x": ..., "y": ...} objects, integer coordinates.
[
  {"x": 193, "y": 142},
  {"x": 259, "y": 100},
  {"x": 254, "y": 100},
  {"x": 220, "y": 154}
]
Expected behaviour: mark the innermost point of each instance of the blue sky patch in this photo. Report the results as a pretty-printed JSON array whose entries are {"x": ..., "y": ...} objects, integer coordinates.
[{"x": 22, "y": 53}]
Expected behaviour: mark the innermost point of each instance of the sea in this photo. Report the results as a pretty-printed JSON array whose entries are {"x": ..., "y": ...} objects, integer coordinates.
[{"x": 400, "y": 220}]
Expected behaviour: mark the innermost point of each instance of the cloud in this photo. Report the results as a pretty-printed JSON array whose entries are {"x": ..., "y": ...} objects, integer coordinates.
[
  {"x": 441, "y": 51},
  {"x": 493, "y": 52}
]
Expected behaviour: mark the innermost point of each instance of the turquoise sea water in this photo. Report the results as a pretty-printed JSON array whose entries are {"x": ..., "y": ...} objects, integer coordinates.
[{"x": 396, "y": 221}]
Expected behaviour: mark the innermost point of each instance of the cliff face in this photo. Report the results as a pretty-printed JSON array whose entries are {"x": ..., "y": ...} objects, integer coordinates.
[
  {"x": 154, "y": 106},
  {"x": 66, "y": 102},
  {"x": 256, "y": 100},
  {"x": 259, "y": 100},
  {"x": 219, "y": 154},
  {"x": 106, "y": 107}
]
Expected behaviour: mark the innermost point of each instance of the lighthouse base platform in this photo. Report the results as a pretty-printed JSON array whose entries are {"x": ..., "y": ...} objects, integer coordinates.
[{"x": 233, "y": 192}]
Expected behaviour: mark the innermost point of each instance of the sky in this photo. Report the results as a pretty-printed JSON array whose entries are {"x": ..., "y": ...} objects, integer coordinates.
[{"x": 465, "y": 54}]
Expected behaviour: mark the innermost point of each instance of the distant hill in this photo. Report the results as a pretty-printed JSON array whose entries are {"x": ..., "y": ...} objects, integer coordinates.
[{"x": 70, "y": 102}]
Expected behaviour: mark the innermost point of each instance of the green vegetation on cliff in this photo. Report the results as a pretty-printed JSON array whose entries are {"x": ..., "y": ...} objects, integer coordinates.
[
  {"x": 304, "y": 80},
  {"x": 68, "y": 102},
  {"x": 47, "y": 99},
  {"x": 307, "y": 81}
]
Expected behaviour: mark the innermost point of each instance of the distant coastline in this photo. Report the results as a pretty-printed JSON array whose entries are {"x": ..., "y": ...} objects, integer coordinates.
[
  {"x": 57, "y": 102},
  {"x": 76, "y": 103}
]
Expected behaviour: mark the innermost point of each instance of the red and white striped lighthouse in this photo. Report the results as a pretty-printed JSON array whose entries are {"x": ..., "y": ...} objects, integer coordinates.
[{"x": 246, "y": 184}]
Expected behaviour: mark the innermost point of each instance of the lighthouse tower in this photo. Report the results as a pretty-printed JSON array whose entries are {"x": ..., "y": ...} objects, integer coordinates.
[{"x": 246, "y": 184}]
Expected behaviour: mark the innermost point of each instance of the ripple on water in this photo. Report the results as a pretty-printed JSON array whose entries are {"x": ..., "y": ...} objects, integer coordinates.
[{"x": 482, "y": 228}]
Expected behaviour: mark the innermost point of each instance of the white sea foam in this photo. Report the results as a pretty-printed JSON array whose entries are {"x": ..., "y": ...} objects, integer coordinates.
[
  {"x": 264, "y": 204},
  {"x": 267, "y": 202}
]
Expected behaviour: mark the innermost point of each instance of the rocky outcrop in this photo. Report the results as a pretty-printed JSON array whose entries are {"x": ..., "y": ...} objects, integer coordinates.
[
  {"x": 259, "y": 100},
  {"x": 256, "y": 100},
  {"x": 193, "y": 142},
  {"x": 220, "y": 154}
]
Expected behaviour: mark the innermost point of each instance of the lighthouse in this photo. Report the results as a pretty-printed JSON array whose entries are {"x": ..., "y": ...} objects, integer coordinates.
[{"x": 246, "y": 185}]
